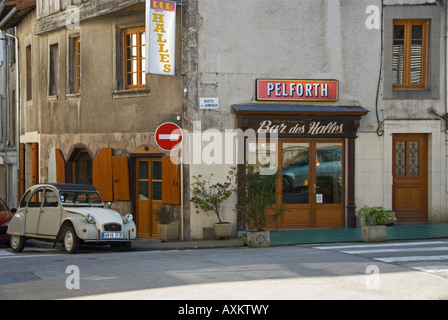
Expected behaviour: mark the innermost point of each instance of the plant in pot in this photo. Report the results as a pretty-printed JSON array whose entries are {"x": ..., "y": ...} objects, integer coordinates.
[
  {"x": 168, "y": 229},
  {"x": 375, "y": 220},
  {"x": 256, "y": 202},
  {"x": 208, "y": 197}
]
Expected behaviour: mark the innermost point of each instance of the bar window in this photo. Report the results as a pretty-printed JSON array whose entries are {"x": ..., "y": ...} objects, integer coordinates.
[
  {"x": 134, "y": 58},
  {"x": 410, "y": 38}
]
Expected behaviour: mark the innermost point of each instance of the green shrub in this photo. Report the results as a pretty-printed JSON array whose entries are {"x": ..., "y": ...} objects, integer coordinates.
[{"x": 374, "y": 216}]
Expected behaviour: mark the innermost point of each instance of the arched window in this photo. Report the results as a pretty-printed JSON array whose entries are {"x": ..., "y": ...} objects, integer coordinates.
[{"x": 80, "y": 164}]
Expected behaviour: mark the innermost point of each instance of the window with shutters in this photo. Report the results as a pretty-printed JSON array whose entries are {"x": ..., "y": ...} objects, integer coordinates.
[
  {"x": 134, "y": 58},
  {"x": 409, "y": 54}
]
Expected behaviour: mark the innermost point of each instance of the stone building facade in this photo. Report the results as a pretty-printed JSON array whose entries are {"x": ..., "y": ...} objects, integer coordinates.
[{"x": 388, "y": 59}]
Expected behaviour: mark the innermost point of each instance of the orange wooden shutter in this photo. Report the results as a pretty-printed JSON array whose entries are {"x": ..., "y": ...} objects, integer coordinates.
[
  {"x": 60, "y": 167},
  {"x": 170, "y": 181},
  {"x": 102, "y": 174},
  {"x": 121, "y": 178}
]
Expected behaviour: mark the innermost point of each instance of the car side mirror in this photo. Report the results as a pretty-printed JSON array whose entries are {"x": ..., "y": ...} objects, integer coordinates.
[{"x": 13, "y": 210}]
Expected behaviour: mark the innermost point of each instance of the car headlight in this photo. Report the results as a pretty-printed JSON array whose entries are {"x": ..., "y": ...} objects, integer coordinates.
[
  {"x": 90, "y": 218},
  {"x": 128, "y": 218}
]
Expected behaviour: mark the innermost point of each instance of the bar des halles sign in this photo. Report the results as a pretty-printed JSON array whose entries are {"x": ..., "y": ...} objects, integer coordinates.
[
  {"x": 297, "y": 90},
  {"x": 291, "y": 121}
]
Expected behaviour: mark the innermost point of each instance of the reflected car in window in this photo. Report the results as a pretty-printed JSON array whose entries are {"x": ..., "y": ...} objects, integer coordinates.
[
  {"x": 73, "y": 214},
  {"x": 328, "y": 170}
]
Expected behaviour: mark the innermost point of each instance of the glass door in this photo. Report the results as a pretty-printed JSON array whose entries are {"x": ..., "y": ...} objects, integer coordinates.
[
  {"x": 312, "y": 184},
  {"x": 149, "y": 195}
]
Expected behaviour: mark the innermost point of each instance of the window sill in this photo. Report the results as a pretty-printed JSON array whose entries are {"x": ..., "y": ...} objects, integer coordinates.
[
  {"x": 411, "y": 94},
  {"x": 130, "y": 93},
  {"x": 73, "y": 96}
]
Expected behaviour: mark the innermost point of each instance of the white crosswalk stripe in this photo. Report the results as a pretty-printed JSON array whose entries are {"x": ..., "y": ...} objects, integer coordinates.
[{"x": 427, "y": 256}]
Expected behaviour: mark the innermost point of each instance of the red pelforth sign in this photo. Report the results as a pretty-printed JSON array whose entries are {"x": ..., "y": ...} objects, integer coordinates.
[{"x": 297, "y": 90}]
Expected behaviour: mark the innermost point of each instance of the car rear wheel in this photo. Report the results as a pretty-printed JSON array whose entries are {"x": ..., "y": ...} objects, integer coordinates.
[
  {"x": 71, "y": 240},
  {"x": 17, "y": 243}
]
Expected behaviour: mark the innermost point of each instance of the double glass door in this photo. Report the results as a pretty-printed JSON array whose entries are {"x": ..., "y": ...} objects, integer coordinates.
[{"x": 312, "y": 184}]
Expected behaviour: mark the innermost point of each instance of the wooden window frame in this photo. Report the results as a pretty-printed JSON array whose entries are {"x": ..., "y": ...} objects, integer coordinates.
[
  {"x": 77, "y": 43},
  {"x": 140, "y": 71},
  {"x": 408, "y": 23}
]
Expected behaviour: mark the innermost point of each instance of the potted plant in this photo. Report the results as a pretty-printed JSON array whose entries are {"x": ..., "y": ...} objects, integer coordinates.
[
  {"x": 375, "y": 220},
  {"x": 208, "y": 197},
  {"x": 256, "y": 195},
  {"x": 168, "y": 230}
]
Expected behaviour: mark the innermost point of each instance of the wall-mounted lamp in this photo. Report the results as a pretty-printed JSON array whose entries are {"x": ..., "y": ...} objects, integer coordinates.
[{"x": 431, "y": 110}]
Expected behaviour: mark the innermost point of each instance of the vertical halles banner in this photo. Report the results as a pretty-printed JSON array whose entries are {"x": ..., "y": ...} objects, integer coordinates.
[{"x": 160, "y": 36}]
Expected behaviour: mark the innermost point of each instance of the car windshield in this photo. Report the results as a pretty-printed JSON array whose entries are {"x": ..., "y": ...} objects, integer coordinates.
[{"x": 80, "y": 198}]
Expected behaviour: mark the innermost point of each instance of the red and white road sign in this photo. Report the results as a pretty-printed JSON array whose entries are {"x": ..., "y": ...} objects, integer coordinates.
[{"x": 168, "y": 136}]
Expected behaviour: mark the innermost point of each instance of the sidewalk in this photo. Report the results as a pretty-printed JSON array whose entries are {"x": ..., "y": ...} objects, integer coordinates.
[
  {"x": 142, "y": 244},
  {"x": 299, "y": 237}
]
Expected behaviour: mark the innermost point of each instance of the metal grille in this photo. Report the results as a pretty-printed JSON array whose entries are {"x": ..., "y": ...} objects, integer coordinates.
[{"x": 112, "y": 227}]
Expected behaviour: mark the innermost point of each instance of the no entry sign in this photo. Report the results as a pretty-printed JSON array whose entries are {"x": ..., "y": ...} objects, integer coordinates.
[{"x": 168, "y": 136}]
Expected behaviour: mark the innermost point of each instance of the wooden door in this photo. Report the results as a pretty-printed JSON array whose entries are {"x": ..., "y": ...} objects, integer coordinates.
[
  {"x": 149, "y": 195},
  {"x": 410, "y": 177},
  {"x": 312, "y": 183}
]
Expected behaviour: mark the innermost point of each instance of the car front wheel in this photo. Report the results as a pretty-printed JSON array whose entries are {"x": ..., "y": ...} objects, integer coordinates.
[
  {"x": 17, "y": 243},
  {"x": 71, "y": 240}
]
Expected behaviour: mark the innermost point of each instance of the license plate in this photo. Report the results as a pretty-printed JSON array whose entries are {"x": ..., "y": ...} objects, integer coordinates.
[{"x": 112, "y": 235}]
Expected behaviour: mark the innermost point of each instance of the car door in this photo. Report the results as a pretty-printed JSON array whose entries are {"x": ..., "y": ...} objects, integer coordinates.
[
  {"x": 50, "y": 216},
  {"x": 32, "y": 211}
]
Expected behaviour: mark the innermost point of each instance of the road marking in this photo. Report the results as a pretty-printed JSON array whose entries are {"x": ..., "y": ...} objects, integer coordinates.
[
  {"x": 381, "y": 245},
  {"x": 395, "y": 250},
  {"x": 432, "y": 269},
  {"x": 413, "y": 258}
]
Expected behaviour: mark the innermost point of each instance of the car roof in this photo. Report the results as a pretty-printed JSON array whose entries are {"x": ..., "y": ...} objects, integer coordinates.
[{"x": 69, "y": 186}]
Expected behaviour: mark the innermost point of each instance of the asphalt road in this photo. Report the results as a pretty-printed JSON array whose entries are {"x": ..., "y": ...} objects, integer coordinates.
[{"x": 343, "y": 271}]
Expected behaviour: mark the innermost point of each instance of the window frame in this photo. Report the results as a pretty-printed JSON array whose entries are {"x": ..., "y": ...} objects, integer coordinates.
[
  {"x": 140, "y": 71},
  {"x": 53, "y": 69},
  {"x": 77, "y": 62},
  {"x": 407, "y": 52},
  {"x": 76, "y": 156}
]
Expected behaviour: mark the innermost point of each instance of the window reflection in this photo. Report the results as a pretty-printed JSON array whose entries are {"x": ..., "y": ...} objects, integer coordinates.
[
  {"x": 329, "y": 178},
  {"x": 295, "y": 173}
]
